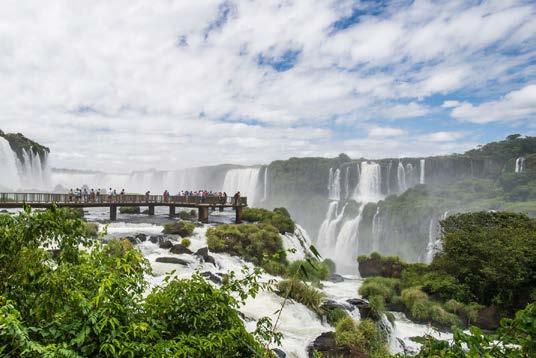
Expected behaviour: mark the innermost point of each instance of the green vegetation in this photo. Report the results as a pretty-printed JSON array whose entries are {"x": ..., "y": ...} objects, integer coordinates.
[
  {"x": 487, "y": 261},
  {"x": 92, "y": 229},
  {"x": 186, "y": 242},
  {"x": 302, "y": 293},
  {"x": 257, "y": 243},
  {"x": 129, "y": 210},
  {"x": 514, "y": 338},
  {"x": 88, "y": 300},
  {"x": 335, "y": 315},
  {"x": 279, "y": 218},
  {"x": 310, "y": 270},
  {"x": 377, "y": 265},
  {"x": 363, "y": 338},
  {"x": 182, "y": 228},
  {"x": 20, "y": 143},
  {"x": 186, "y": 215}
]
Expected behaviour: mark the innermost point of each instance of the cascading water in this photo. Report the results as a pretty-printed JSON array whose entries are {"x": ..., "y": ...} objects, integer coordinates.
[
  {"x": 422, "y": 164},
  {"x": 401, "y": 176},
  {"x": 334, "y": 184},
  {"x": 434, "y": 233},
  {"x": 342, "y": 246},
  {"x": 8, "y": 162},
  {"x": 520, "y": 165},
  {"x": 265, "y": 191},
  {"x": 347, "y": 183},
  {"x": 389, "y": 177},
  {"x": 376, "y": 229},
  {"x": 244, "y": 180}
]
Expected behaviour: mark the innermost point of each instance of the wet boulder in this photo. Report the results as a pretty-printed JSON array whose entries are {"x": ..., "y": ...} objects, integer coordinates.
[
  {"x": 211, "y": 277},
  {"x": 172, "y": 260},
  {"x": 488, "y": 318},
  {"x": 279, "y": 353},
  {"x": 204, "y": 256},
  {"x": 336, "y": 278},
  {"x": 165, "y": 244},
  {"x": 157, "y": 239},
  {"x": 326, "y": 344},
  {"x": 179, "y": 249},
  {"x": 365, "y": 311},
  {"x": 141, "y": 237}
]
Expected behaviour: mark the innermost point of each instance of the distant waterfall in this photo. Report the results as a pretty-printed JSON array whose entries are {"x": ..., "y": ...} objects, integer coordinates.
[
  {"x": 244, "y": 180},
  {"x": 434, "y": 242},
  {"x": 389, "y": 177},
  {"x": 520, "y": 165},
  {"x": 265, "y": 194},
  {"x": 8, "y": 163},
  {"x": 347, "y": 183},
  {"x": 401, "y": 176},
  {"x": 29, "y": 173},
  {"x": 376, "y": 229},
  {"x": 422, "y": 163},
  {"x": 334, "y": 184},
  {"x": 338, "y": 234}
]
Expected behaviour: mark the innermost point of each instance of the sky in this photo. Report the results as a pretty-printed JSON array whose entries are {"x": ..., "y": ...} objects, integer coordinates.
[{"x": 133, "y": 84}]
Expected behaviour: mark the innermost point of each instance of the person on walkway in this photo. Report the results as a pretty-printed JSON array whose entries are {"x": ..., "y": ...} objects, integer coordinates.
[
  {"x": 98, "y": 196},
  {"x": 237, "y": 198},
  {"x": 224, "y": 197},
  {"x": 71, "y": 194},
  {"x": 147, "y": 193}
]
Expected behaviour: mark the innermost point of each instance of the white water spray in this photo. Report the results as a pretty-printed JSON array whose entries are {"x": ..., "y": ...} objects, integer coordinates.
[
  {"x": 244, "y": 180},
  {"x": 401, "y": 176},
  {"x": 520, "y": 165},
  {"x": 334, "y": 184},
  {"x": 422, "y": 164},
  {"x": 265, "y": 194},
  {"x": 8, "y": 163},
  {"x": 376, "y": 228}
]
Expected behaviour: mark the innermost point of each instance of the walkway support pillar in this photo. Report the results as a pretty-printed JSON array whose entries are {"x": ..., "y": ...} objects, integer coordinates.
[
  {"x": 151, "y": 210},
  {"x": 221, "y": 208},
  {"x": 113, "y": 212},
  {"x": 238, "y": 212},
  {"x": 171, "y": 211},
  {"x": 203, "y": 214}
]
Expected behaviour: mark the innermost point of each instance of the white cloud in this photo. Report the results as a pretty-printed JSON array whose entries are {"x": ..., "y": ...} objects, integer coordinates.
[
  {"x": 383, "y": 132},
  {"x": 164, "y": 84},
  {"x": 515, "y": 106},
  {"x": 442, "y": 136}
]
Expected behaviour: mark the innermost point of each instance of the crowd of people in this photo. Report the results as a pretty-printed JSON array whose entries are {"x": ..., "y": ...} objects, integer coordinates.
[{"x": 86, "y": 195}]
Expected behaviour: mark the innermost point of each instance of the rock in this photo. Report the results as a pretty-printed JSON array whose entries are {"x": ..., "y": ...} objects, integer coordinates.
[
  {"x": 156, "y": 239},
  {"x": 488, "y": 318},
  {"x": 330, "y": 305},
  {"x": 212, "y": 277},
  {"x": 141, "y": 237},
  {"x": 204, "y": 256},
  {"x": 179, "y": 249},
  {"x": 336, "y": 278},
  {"x": 279, "y": 353},
  {"x": 166, "y": 244},
  {"x": 327, "y": 345},
  {"x": 132, "y": 240},
  {"x": 365, "y": 311},
  {"x": 4, "y": 211},
  {"x": 172, "y": 260}
]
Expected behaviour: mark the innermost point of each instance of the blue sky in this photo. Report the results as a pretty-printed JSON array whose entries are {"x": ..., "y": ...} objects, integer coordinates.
[{"x": 126, "y": 85}]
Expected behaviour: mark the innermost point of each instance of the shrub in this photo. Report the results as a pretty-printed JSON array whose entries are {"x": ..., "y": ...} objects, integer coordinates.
[
  {"x": 185, "y": 215},
  {"x": 468, "y": 312},
  {"x": 186, "y": 242},
  {"x": 444, "y": 287},
  {"x": 92, "y": 229},
  {"x": 365, "y": 338},
  {"x": 258, "y": 243},
  {"x": 312, "y": 270},
  {"x": 181, "y": 228},
  {"x": 129, "y": 210},
  {"x": 279, "y": 218},
  {"x": 193, "y": 212},
  {"x": 302, "y": 293},
  {"x": 377, "y": 265},
  {"x": 335, "y": 315},
  {"x": 380, "y": 286},
  {"x": 423, "y": 309}
]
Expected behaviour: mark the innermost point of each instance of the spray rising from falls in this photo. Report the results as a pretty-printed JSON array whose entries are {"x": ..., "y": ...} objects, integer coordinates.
[
  {"x": 244, "y": 180},
  {"x": 338, "y": 236},
  {"x": 520, "y": 165},
  {"x": 30, "y": 172},
  {"x": 422, "y": 164}
]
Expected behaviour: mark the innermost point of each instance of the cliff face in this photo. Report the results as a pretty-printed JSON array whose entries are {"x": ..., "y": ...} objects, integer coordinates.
[
  {"x": 415, "y": 193},
  {"x": 19, "y": 144}
]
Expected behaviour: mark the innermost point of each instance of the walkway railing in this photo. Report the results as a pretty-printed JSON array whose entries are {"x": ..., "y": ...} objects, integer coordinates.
[{"x": 49, "y": 198}]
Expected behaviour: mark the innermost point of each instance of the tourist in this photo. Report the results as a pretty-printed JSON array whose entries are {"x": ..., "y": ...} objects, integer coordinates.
[
  {"x": 98, "y": 196},
  {"x": 71, "y": 195},
  {"x": 147, "y": 193}
]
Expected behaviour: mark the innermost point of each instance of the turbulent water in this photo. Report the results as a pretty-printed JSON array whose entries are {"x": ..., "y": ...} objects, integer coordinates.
[
  {"x": 244, "y": 180},
  {"x": 298, "y": 324},
  {"x": 29, "y": 173}
]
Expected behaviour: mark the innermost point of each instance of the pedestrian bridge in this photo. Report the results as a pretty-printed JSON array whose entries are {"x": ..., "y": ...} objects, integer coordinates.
[{"x": 202, "y": 204}]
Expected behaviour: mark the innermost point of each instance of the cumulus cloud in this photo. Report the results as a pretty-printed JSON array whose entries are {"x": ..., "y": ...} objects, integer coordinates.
[
  {"x": 515, "y": 106},
  {"x": 112, "y": 85}
]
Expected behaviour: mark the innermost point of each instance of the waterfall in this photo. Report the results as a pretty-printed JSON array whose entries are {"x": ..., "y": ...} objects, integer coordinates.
[
  {"x": 422, "y": 163},
  {"x": 334, "y": 184},
  {"x": 389, "y": 177},
  {"x": 520, "y": 165},
  {"x": 8, "y": 162},
  {"x": 244, "y": 180},
  {"x": 376, "y": 228},
  {"x": 265, "y": 194},
  {"x": 347, "y": 183},
  {"x": 401, "y": 176},
  {"x": 434, "y": 234},
  {"x": 342, "y": 246}
]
